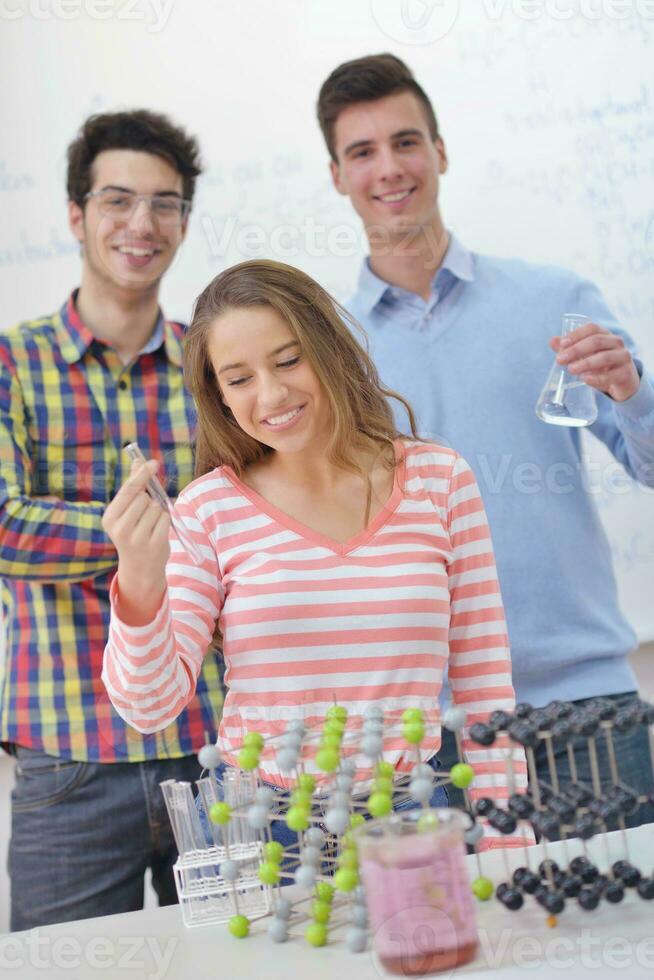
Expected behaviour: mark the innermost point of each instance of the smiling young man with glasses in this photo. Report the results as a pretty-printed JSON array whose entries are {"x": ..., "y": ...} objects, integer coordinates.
[{"x": 88, "y": 816}]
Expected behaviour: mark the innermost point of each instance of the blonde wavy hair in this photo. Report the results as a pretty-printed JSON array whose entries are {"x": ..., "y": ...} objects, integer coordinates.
[{"x": 360, "y": 411}]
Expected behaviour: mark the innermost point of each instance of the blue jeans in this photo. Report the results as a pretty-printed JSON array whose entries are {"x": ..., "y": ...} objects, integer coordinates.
[
  {"x": 288, "y": 838},
  {"x": 83, "y": 835},
  {"x": 633, "y": 757}
]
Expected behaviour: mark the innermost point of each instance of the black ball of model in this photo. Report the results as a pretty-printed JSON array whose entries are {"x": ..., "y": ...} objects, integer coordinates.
[
  {"x": 585, "y": 826},
  {"x": 614, "y": 892},
  {"x": 588, "y": 899},
  {"x": 629, "y": 875},
  {"x": 526, "y": 879},
  {"x": 484, "y": 806},
  {"x": 511, "y": 898},
  {"x": 554, "y": 903},
  {"x": 500, "y": 720},
  {"x": 523, "y": 733},
  {"x": 645, "y": 888},
  {"x": 521, "y": 806},
  {"x": 502, "y": 820},
  {"x": 571, "y": 885},
  {"x": 546, "y": 824},
  {"x": 482, "y": 734}
]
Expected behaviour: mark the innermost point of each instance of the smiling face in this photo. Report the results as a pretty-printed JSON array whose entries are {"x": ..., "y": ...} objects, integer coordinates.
[
  {"x": 388, "y": 164},
  {"x": 130, "y": 252},
  {"x": 267, "y": 382}
]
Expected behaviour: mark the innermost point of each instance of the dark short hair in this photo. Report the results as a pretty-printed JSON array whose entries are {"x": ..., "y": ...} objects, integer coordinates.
[
  {"x": 139, "y": 129},
  {"x": 366, "y": 80}
]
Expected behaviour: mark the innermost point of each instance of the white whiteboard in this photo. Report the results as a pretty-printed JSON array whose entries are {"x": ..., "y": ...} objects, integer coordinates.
[{"x": 547, "y": 109}]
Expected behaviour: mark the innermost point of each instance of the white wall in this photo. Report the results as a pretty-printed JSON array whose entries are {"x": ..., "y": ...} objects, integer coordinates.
[{"x": 547, "y": 110}]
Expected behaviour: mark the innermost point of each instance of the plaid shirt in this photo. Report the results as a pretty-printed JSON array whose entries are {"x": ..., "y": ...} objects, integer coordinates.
[{"x": 67, "y": 406}]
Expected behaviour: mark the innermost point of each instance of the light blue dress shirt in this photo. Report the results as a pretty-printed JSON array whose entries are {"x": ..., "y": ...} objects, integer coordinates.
[{"x": 472, "y": 360}]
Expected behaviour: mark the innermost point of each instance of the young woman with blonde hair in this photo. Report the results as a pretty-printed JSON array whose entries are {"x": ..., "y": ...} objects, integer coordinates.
[{"x": 342, "y": 560}]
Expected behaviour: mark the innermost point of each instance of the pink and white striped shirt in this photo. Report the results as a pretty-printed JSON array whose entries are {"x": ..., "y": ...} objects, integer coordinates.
[{"x": 307, "y": 621}]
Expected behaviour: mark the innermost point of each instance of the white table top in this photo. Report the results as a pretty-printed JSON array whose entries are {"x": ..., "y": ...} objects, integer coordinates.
[{"x": 155, "y": 945}]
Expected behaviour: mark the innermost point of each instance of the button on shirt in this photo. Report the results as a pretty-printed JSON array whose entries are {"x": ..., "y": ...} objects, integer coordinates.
[
  {"x": 472, "y": 361},
  {"x": 67, "y": 407}
]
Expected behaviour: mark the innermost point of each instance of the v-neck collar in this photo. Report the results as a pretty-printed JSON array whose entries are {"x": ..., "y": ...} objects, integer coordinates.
[{"x": 308, "y": 533}]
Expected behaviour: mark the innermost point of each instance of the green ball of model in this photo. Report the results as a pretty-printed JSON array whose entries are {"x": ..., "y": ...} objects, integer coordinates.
[
  {"x": 331, "y": 740},
  {"x": 462, "y": 775},
  {"x": 306, "y": 782},
  {"x": 384, "y": 769},
  {"x": 337, "y": 711},
  {"x": 220, "y": 813},
  {"x": 273, "y": 851},
  {"x": 297, "y": 818},
  {"x": 254, "y": 740},
  {"x": 321, "y": 911},
  {"x": 482, "y": 888},
  {"x": 333, "y": 725},
  {"x": 268, "y": 873},
  {"x": 348, "y": 858},
  {"x": 411, "y": 715},
  {"x": 301, "y": 797},
  {"x": 413, "y": 732},
  {"x": 346, "y": 879},
  {"x": 383, "y": 784},
  {"x": 316, "y": 934},
  {"x": 239, "y": 926},
  {"x": 379, "y": 804},
  {"x": 324, "y": 891},
  {"x": 248, "y": 757},
  {"x": 327, "y": 759}
]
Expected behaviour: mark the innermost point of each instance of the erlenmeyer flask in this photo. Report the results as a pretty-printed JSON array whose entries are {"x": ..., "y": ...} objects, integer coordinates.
[{"x": 565, "y": 399}]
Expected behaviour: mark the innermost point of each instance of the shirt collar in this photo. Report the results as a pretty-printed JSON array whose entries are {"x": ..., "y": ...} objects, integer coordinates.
[
  {"x": 75, "y": 338},
  {"x": 458, "y": 261}
]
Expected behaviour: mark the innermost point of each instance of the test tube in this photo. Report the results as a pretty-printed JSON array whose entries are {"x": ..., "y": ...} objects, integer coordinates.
[
  {"x": 209, "y": 795},
  {"x": 239, "y": 789},
  {"x": 183, "y": 814},
  {"x": 159, "y": 495}
]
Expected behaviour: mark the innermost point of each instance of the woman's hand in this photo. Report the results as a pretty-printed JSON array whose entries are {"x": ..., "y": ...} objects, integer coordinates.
[{"x": 139, "y": 529}]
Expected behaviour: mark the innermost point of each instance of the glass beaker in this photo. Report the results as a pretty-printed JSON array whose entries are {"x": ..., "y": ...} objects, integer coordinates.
[
  {"x": 566, "y": 399},
  {"x": 420, "y": 905}
]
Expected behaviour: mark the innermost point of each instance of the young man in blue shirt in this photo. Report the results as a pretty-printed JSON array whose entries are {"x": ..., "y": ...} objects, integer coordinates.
[{"x": 468, "y": 340}]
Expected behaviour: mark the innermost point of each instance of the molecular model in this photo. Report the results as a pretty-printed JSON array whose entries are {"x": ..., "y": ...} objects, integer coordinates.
[{"x": 232, "y": 869}]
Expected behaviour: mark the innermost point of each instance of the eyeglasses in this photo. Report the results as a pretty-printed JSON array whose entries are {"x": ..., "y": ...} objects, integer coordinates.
[{"x": 122, "y": 204}]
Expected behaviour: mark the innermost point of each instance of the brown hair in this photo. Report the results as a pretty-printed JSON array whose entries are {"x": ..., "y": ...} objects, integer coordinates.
[
  {"x": 366, "y": 80},
  {"x": 361, "y": 414},
  {"x": 140, "y": 129}
]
